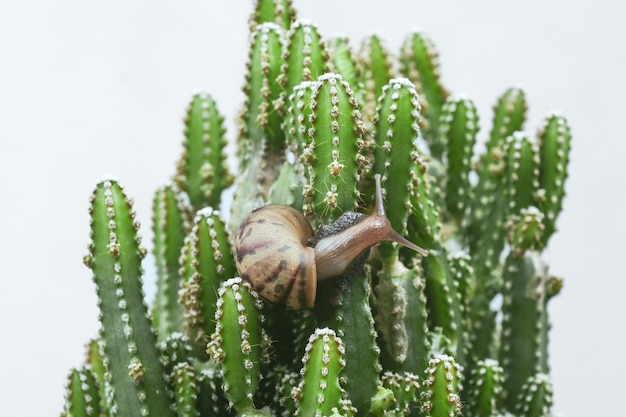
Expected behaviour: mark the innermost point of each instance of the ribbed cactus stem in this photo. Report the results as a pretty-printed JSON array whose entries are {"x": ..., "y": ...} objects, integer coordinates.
[
  {"x": 297, "y": 119},
  {"x": 458, "y": 126},
  {"x": 261, "y": 137},
  {"x": 485, "y": 390},
  {"x": 238, "y": 342},
  {"x": 170, "y": 224},
  {"x": 401, "y": 318},
  {"x": 296, "y": 123},
  {"x": 201, "y": 170},
  {"x": 82, "y": 398},
  {"x": 211, "y": 398},
  {"x": 376, "y": 71},
  {"x": 462, "y": 271},
  {"x": 185, "y": 389},
  {"x": 344, "y": 61},
  {"x": 335, "y": 146},
  {"x": 488, "y": 209},
  {"x": 424, "y": 224},
  {"x": 280, "y": 12},
  {"x": 535, "y": 400},
  {"x": 396, "y": 155},
  {"x": 420, "y": 64},
  {"x": 353, "y": 323},
  {"x": 287, "y": 385},
  {"x": 525, "y": 231},
  {"x": 405, "y": 387},
  {"x": 554, "y": 147},
  {"x": 445, "y": 309},
  {"x": 260, "y": 125},
  {"x": 95, "y": 362},
  {"x": 175, "y": 349},
  {"x": 522, "y": 167},
  {"x": 383, "y": 403},
  {"x": 527, "y": 288},
  {"x": 305, "y": 54},
  {"x": 132, "y": 359},
  {"x": 320, "y": 390},
  {"x": 442, "y": 388},
  {"x": 206, "y": 262},
  {"x": 509, "y": 115}
]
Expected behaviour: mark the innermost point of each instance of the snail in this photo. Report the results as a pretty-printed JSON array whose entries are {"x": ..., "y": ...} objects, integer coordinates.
[{"x": 276, "y": 252}]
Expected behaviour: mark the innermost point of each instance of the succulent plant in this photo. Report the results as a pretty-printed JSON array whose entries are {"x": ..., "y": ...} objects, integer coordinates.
[{"x": 324, "y": 132}]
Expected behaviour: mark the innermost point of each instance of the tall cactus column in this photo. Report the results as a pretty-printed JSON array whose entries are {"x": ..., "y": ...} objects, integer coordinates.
[
  {"x": 136, "y": 375},
  {"x": 336, "y": 144},
  {"x": 400, "y": 302}
]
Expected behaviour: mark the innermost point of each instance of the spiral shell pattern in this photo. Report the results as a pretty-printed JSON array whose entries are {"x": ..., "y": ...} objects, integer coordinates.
[{"x": 271, "y": 253}]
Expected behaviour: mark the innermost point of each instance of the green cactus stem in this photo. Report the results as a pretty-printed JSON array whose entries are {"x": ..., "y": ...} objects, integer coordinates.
[
  {"x": 297, "y": 120},
  {"x": 485, "y": 389},
  {"x": 95, "y": 362},
  {"x": 175, "y": 349},
  {"x": 535, "y": 400},
  {"x": 463, "y": 274},
  {"x": 297, "y": 124},
  {"x": 280, "y": 12},
  {"x": 261, "y": 139},
  {"x": 395, "y": 155},
  {"x": 445, "y": 309},
  {"x": 487, "y": 208},
  {"x": 335, "y": 146},
  {"x": 458, "y": 126},
  {"x": 554, "y": 147},
  {"x": 285, "y": 391},
  {"x": 211, "y": 398},
  {"x": 401, "y": 318},
  {"x": 185, "y": 389},
  {"x": 376, "y": 71},
  {"x": 345, "y": 62},
  {"x": 170, "y": 224},
  {"x": 527, "y": 289},
  {"x": 136, "y": 374},
  {"x": 352, "y": 321},
  {"x": 419, "y": 62},
  {"x": 383, "y": 403},
  {"x": 405, "y": 388},
  {"x": 206, "y": 262},
  {"x": 260, "y": 127},
  {"x": 82, "y": 394},
  {"x": 522, "y": 167},
  {"x": 442, "y": 387},
  {"x": 306, "y": 55},
  {"x": 509, "y": 115},
  {"x": 201, "y": 171},
  {"x": 320, "y": 391},
  {"x": 424, "y": 224},
  {"x": 238, "y": 343}
]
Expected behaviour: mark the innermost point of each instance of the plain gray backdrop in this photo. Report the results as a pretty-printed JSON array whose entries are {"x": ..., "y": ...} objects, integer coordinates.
[{"x": 88, "y": 88}]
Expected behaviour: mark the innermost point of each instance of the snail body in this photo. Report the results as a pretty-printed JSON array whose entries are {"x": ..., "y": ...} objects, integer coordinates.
[{"x": 272, "y": 250}]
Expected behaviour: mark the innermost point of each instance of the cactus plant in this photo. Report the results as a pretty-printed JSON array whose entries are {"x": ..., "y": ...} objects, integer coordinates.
[{"x": 399, "y": 333}]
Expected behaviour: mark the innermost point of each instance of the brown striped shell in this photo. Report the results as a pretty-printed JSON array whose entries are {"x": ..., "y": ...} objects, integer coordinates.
[{"x": 271, "y": 253}]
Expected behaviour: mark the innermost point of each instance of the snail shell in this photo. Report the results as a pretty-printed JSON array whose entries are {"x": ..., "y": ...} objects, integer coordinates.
[{"x": 272, "y": 252}]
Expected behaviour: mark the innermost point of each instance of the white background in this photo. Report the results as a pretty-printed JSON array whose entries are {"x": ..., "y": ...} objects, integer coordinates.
[{"x": 88, "y": 88}]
